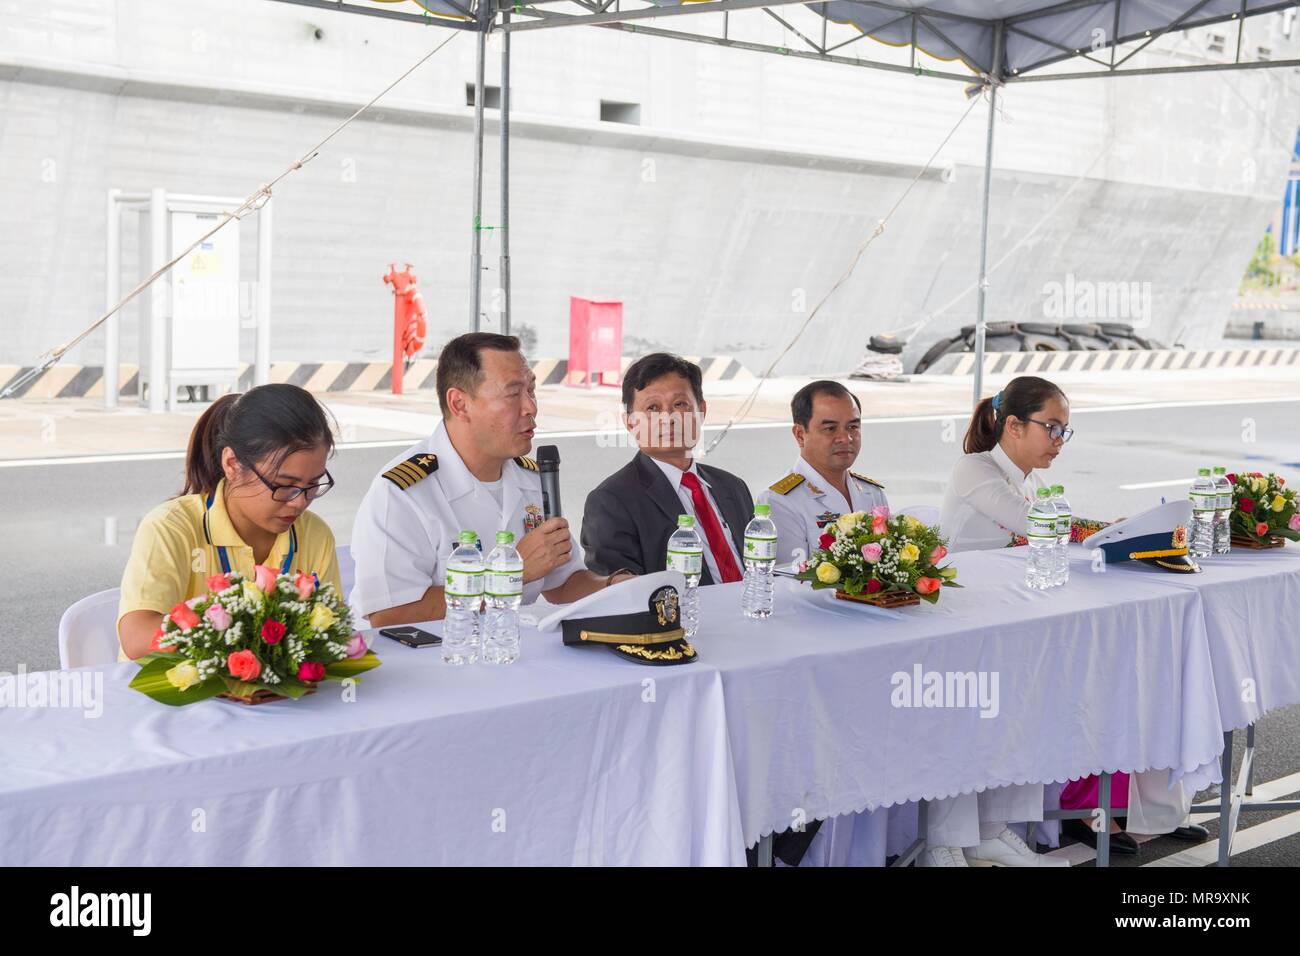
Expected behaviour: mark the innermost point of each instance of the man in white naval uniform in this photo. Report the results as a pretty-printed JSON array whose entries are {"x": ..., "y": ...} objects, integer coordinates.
[
  {"x": 469, "y": 475},
  {"x": 821, "y": 486}
]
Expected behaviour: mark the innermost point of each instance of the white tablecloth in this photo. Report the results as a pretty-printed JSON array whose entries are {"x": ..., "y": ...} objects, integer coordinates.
[
  {"x": 1252, "y": 614},
  {"x": 1108, "y": 673},
  {"x": 560, "y": 758}
]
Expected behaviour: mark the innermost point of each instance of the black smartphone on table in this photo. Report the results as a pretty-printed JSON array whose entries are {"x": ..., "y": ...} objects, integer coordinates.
[{"x": 411, "y": 636}]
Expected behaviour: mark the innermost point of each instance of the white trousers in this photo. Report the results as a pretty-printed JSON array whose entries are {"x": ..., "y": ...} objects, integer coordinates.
[{"x": 955, "y": 821}]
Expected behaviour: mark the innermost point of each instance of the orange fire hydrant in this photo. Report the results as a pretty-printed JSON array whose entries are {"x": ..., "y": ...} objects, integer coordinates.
[{"x": 409, "y": 325}]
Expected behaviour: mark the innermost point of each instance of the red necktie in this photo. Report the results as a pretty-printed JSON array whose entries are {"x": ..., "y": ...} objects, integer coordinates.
[{"x": 712, "y": 530}]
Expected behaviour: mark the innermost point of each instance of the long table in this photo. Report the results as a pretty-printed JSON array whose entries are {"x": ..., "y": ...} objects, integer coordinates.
[{"x": 574, "y": 756}]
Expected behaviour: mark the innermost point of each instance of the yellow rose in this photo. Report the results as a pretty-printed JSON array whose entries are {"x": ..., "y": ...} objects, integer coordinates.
[
  {"x": 827, "y": 573},
  {"x": 849, "y": 521},
  {"x": 908, "y": 553},
  {"x": 321, "y": 618},
  {"x": 252, "y": 592},
  {"x": 1258, "y": 485},
  {"x": 913, "y": 525},
  {"x": 948, "y": 573},
  {"x": 1278, "y": 502},
  {"x": 184, "y": 676}
]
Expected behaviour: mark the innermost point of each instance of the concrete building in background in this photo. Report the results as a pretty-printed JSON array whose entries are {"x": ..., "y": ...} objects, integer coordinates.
[{"x": 717, "y": 193}]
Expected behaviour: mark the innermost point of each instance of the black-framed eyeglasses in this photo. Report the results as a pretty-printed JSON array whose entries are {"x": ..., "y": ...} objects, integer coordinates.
[
  {"x": 285, "y": 493},
  {"x": 1061, "y": 433}
]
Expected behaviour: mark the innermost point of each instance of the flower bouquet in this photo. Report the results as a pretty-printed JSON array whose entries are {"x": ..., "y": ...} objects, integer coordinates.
[
  {"x": 252, "y": 641},
  {"x": 876, "y": 558},
  {"x": 1264, "y": 511}
]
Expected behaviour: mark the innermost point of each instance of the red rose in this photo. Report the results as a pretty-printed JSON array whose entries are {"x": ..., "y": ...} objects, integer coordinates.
[
  {"x": 1246, "y": 505},
  {"x": 273, "y": 632},
  {"x": 874, "y": 585},
  {"x": 1232, "y": 478},
  {"x": 825, "y": 541},
  {"x": 310, "y": 672},
  {"x": 155, "y": 644},
  {"x": 218, "y": 583},
  {"x": 183, "y": 616},
  {"x": 1280, "y": 481},
  {"x": 1261, "y": 529}
]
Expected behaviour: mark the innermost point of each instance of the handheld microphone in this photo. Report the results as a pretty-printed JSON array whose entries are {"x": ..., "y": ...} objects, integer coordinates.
[{"x": 548, "y": 466}]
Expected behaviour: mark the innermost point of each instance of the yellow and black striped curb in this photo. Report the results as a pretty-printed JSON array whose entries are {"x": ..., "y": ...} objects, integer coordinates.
[
  {"x": 1127, "y": 360},
  {"x": 87, "y": 381}
]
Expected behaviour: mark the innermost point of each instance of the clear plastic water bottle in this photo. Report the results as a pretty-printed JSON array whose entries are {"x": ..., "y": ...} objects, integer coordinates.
[
  {"x": 760, "y": 559},
  {"x": 1205, "y": 500},
  {"x": 1064, "y": 517},
  {"x": 504, "y": 590},
  {"x": 1223, "y": 513},
  {"x": 463, "y": 589},
  {"x": 1040, "y": 567},
  {"x": 686, "y": 554}
]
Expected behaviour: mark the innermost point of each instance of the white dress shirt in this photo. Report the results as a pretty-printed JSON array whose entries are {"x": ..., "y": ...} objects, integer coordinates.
[
  {"x": 986, "y": 504},
  {"x": 674, "y": 476},
  {"x": 403, "y": 537}
]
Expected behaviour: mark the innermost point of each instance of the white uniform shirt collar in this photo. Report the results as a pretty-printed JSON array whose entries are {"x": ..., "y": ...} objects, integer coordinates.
[
  {"x": 1009, "y": 467},
  {"x": 815, "y": 480},
  {"x": 457, "y": 480},
  {"x": 674, "y": 474}
]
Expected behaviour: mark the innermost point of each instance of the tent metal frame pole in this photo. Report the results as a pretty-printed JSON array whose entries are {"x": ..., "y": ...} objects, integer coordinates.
[
  {"x": 505, "y": 171},
  {"x": 112, "y": 295},
  {"x": 981, "y": 319},
  {"x": 476, "y": 246}
]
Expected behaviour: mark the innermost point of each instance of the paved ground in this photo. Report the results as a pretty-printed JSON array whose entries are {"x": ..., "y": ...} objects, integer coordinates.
[{"x": 75, "y": 480}]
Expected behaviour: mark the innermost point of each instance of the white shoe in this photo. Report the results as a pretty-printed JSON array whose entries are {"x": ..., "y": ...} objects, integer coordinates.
[
  {"x": 942, "y": 856},
  {"x": 1007, "y": 849}
]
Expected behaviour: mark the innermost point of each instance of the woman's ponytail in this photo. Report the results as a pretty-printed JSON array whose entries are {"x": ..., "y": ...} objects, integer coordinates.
[
  {"x": 1020, "y": 398},
  {"x": 982, "y": 434},
  {"x": 203, "y": 457}
]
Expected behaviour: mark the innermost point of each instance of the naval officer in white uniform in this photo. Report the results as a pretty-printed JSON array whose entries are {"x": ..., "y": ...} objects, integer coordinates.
[
  {"x": 469, "y": 475},
  {"x": 821, "y": 486}
]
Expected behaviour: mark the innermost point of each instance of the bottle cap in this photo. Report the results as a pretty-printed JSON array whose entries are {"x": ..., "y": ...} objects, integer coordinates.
[
  {"x": 1220, "y": 470},
  {"x": 1203, "y": 472},
  {"x": 1058, "y": 489},
  {"x": 762, "y": 511},
  {"x": 505, "y": 537},
  {"x": 685, "y": 521},
  {"x": 1044, "y": 492},
  {"x": 468, "y": 537}
]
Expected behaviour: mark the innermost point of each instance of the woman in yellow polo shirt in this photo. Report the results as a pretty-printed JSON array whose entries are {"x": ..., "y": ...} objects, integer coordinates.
[{"x": 255, "y": 463}]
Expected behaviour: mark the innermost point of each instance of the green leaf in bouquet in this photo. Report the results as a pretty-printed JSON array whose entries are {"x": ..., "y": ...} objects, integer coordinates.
[
  {"x": 340, "y": 670},
  {"x": 152, "y": 681},
  {"x": 239, "y": 688}
]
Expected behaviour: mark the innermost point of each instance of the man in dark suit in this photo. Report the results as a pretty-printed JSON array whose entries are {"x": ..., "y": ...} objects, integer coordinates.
[{"x": 630, "y": 516}]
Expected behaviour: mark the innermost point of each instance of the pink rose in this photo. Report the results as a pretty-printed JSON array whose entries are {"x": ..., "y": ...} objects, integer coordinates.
[
  {"x": 357, "y": 646},
  {"x": 871, "y": 552},
  {"x": 273, "y": 632},
  {"x": 218, "y": 583},
  {"x": 938, "y": 554},
  {"x": 878, "y": 526},
  {"x": 880, "y": 512},
  {"x": 218, "y": 617},
  {"x": 244, "y": 665},
  {"x": 264, "y": 578},
  {"x": 183, "y": 616},
  {"x": 310, "y": 672},
  {"x": 1294, "y": 523},
  {"x": 306, "y": 584}
]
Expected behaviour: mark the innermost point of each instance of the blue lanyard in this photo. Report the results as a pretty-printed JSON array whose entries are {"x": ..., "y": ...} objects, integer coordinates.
[{"x": 221, "y": 548}]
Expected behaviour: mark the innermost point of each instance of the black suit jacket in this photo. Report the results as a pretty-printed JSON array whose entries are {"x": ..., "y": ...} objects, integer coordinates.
[{"x": 628, "y": 519}]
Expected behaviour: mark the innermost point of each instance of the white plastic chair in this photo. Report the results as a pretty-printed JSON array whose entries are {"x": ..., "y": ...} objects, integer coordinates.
[
  {"x": 926, "y": 514},
  {"x": 88, "y": 631},
  {"x": 347, "y": 569}
]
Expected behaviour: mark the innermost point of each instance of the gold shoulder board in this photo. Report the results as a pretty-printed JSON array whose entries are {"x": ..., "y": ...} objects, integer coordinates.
[
  {"x": 525, "y": 462},
  {"x": 788, "y": 484},
  {"x": 870, "y": 481},
  {"x": 415, "y": 469}
]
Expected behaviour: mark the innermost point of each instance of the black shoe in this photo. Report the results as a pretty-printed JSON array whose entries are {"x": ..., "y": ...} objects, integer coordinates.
[
  {"x": 1120, "y": 843},
  {"x": 1192, "y": 833}
]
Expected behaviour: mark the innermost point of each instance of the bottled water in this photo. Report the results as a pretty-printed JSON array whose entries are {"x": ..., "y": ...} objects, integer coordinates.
[
  {"x": 1223, "y": 513},
  {"x": 1041, "y": 532},
  {"x": 463, "y": 589},
  {"x": 504, "y": 591},
  {"x": 1064, "y": 516},
  {"x": 1205, "y": 500},
  {"x": 760, "y": 558},
  {"x": 686, "y": 554}
]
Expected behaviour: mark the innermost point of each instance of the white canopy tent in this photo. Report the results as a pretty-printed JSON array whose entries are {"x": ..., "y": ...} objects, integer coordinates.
[{"x": 999, "y": 42}]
